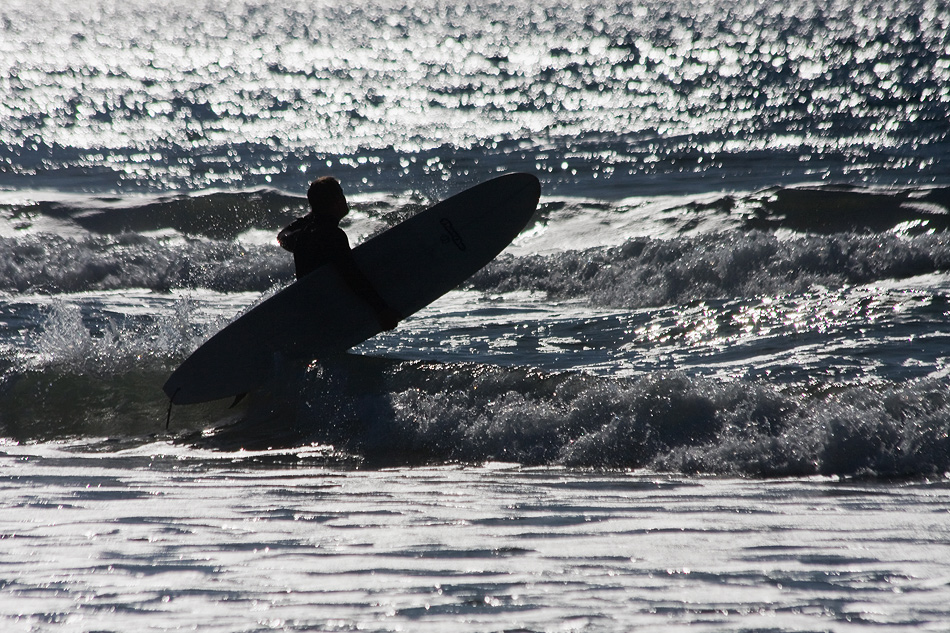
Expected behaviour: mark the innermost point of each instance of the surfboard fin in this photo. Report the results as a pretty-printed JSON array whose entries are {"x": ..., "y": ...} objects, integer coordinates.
[
  {"x": 237, "y": 399},
  {"x": 168, "y": 414}
]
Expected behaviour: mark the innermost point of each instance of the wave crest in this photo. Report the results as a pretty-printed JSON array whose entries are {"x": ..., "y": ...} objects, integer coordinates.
[
  {"x": 52, "y": 263},
  {"x": 646, "y": 272},
  {"x": 405, "y": 413}
]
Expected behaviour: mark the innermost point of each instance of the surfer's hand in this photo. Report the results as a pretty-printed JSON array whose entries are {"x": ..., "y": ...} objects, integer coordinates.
[{"x": 388, "y": 318}]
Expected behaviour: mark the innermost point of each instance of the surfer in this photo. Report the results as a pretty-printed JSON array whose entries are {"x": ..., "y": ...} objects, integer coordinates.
[{"x": 316, "y": 239}]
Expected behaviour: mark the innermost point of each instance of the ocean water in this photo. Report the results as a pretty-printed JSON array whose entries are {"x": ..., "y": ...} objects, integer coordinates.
[{"x": 707, "y": 388}]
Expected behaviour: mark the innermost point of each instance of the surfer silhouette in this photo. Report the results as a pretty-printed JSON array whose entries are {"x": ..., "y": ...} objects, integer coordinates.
[{"x": 316, "y": 239}]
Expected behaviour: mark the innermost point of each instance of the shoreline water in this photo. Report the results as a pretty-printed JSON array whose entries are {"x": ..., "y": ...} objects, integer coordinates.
[{"x": 301, "y": 547}]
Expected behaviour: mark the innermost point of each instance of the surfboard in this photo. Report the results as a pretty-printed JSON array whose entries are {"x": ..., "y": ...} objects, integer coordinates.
[{"x": 411, "y": 265}]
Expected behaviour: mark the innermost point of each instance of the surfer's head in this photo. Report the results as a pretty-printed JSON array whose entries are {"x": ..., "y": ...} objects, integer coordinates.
[{"x": 326, "y": 198}]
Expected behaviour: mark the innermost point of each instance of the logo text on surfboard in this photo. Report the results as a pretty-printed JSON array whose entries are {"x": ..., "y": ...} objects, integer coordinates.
[{"x": 452, "y": 233}]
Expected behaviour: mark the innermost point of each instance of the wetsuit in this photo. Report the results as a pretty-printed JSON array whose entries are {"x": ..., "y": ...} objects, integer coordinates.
[{"x": 315, "y": 241}]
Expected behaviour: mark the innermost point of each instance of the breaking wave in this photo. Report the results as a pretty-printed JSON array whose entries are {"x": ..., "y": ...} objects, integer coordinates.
[
  {"x": 398, "y": 413},
  {"x": 56, "y": 264},
  {"x": 646, "y": 272},
  {"x": 384, "y": 412}
]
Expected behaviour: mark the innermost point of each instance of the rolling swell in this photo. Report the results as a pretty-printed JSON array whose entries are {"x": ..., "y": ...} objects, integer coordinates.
[
  {"x": 834, "y": 236},
  {"x": 837, "y": 208},
  {"x": 217, "y": 215},
  {"x": 187, "y": 241}
]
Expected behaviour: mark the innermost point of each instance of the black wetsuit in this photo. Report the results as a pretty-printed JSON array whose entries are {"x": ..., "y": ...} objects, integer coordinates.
[{"x": 315, "y": 241}]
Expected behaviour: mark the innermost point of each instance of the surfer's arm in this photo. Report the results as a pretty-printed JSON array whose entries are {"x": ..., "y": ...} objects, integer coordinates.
[
  {"x": 288, "y": 237},
  {"x": 358, "y": 282}
]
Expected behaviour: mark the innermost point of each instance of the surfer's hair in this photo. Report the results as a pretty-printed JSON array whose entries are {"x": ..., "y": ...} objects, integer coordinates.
[{"x": 324, "y": 191}]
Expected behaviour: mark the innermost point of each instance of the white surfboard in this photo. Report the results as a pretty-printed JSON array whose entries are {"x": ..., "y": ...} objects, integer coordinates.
[{"x": 411, "y": 265}]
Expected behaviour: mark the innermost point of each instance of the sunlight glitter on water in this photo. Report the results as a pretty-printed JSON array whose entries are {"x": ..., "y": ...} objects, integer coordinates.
[
  {"x": 336, "y": 81},
  {"x": 195, "y": 540}
]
